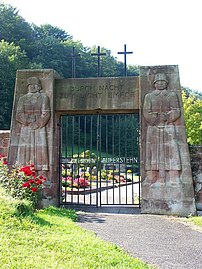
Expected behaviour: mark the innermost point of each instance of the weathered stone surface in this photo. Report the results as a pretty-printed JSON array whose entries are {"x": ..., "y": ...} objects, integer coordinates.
[
  {"x": 4, "y": 141},
  {"x": 167, "y": 186},
  {"x": 33, "y": 114},
  {"x": 97, "y": 93},
  {"x": 34, "y": 128},
  {"x": 196, "y": 165}
]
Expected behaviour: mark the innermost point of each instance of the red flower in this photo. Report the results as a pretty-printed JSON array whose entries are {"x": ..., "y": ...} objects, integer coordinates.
[
  {"x": 27, "y": 171},
  {"x": 39, "y": 182},
  {"x": 42, "y": 178},
  {"x": 26, "y": 185},
  {"x": 31, "y": 181},
  {"x": 5, "y": 162},
  {"x": 34, "y": 189},
  {"x": 80, "y": 182}
]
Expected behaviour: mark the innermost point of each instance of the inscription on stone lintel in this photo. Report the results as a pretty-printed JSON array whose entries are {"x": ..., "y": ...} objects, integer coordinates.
[
  {"x": 103, "y": 92},
  {"x": 95, "y": 91}
]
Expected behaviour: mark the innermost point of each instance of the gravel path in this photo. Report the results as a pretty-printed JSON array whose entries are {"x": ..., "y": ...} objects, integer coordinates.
[{"x": 162, "y": 241}]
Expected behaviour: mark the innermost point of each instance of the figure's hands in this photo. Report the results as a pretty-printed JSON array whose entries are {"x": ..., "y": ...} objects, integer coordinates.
[
  {"x": 162, "y": 117},
  {"x": 34, "y": 125}
]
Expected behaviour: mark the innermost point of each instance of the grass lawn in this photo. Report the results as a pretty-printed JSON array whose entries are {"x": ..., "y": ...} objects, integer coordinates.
[
  {"x": 50, "y": 238},
  {"x": 196, "y": 220}
]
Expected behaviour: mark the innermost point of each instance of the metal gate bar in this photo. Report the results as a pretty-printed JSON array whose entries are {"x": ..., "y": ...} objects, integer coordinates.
[{"x": 99, "y": 162}]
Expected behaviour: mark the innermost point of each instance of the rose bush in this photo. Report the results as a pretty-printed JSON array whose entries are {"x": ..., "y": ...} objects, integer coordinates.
[{"x": 21, "y": 182}]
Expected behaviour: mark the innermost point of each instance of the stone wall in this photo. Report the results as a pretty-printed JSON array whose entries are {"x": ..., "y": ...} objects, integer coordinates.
[
  {"x": 196, "y": 166},
  {"x": 4, "y": 140}
]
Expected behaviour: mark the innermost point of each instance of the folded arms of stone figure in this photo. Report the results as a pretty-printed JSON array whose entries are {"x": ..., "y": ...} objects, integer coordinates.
[
  {"x": 34, "y": 119},
  {"x": 162, "y": 117}
]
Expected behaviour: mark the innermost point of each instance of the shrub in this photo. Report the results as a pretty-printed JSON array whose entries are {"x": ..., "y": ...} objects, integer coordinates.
[{"x": 21, "y": 182}]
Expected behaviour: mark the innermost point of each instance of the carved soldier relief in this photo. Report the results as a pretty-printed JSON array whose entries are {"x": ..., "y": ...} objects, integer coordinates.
[
  {"x": 167, "y": 185},
  {"x": 33, "y": 112},
  {"x": 161, "y": 109}
]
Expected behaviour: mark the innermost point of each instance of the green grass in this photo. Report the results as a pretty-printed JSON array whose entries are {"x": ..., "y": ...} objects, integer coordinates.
[
  {"x": 50, "y": 238},
  {"x": 196, "y": 220}
]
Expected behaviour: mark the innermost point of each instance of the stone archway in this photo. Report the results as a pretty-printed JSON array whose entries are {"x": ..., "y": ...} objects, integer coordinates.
[{"x": 112, "y": 95}]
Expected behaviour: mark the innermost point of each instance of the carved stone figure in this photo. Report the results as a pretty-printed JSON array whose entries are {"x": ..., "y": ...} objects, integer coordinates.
[
  {"x": 161, "y": 109},
  {"x": 33, "y": 112}
]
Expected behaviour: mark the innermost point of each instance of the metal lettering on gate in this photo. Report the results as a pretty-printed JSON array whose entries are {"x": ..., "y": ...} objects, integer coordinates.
[{"x": 99, "y": 162}]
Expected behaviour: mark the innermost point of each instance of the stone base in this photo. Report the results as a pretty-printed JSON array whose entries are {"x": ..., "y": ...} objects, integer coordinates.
[
  {"x": 48, "y": 202},
  {"x": 167, "y": 199},
  {"x": 168, "y": 207}
]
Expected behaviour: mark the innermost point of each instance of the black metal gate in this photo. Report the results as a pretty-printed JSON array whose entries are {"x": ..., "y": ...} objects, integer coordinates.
[{"x": 99, "y": 160}]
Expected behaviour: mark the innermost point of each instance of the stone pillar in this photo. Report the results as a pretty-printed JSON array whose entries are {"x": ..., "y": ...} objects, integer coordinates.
[
  {"x": 33, "y": 135},
  {"x": 196, "y": 165},
  {"x": 167, "y": 185},
  {"x": 4, "y": 140}
]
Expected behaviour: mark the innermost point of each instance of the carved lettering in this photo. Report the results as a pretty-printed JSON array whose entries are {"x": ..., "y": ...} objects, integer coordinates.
[{"x": 93, "y": 91}]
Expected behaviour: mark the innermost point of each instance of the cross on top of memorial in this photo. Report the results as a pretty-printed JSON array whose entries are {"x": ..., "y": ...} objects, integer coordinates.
[
  {"x": 125, "y": 52},
  {"x": 74, "y": 55},
  {"x": 98, "y": 54}
]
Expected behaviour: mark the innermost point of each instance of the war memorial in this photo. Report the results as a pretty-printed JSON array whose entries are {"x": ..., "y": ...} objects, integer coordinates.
[{"x": 110, "y": 130}]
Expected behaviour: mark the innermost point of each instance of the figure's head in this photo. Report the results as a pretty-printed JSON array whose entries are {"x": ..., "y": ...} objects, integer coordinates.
[
  {"x": 160, "y": 81},
  {"x": 33, "y": 84}
]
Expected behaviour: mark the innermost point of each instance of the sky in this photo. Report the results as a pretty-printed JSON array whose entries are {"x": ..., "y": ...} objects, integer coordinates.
[{"x": 158, "y": 32}]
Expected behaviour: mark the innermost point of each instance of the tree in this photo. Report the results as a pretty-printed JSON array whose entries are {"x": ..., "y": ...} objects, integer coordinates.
[
  {"x": 14, "y": 29},
  {"x": 189, "y": 92},
  {"x": 50, "y": 49},
  {"x": 85, "y": 64},
  {"x": 48, "y": 30},
  {"x": 193, "y": 118},
  {"x": 11, "y": 59}
]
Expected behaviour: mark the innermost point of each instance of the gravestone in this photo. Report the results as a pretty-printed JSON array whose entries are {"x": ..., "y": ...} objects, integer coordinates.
[{"x": 35, "y": 131}]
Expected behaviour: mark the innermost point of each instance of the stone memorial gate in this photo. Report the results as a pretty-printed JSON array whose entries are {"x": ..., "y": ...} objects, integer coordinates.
[{"x": 42, "y": 98}]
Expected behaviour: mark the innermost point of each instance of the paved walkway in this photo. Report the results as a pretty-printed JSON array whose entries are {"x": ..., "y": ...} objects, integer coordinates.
[{"x": 165, "y": 242}]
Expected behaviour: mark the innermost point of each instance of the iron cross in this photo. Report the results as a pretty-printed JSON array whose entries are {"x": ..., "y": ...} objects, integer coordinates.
[
  {"x": 74, "y": 55},
  {"x": 98, "y": 54},
  {"x": 125, "y": 52}
]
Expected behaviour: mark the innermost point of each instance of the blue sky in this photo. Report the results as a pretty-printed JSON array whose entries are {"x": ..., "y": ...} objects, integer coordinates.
[{"x": 159, "y": 32}]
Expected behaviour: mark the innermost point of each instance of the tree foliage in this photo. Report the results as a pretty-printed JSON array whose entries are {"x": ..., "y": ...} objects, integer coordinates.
[
  {"x": 14, "y": 29},
  {"x": 51, "y": 31},
  {"x": 193, "y": 118},
  {"x": 11, "y": 59}
]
